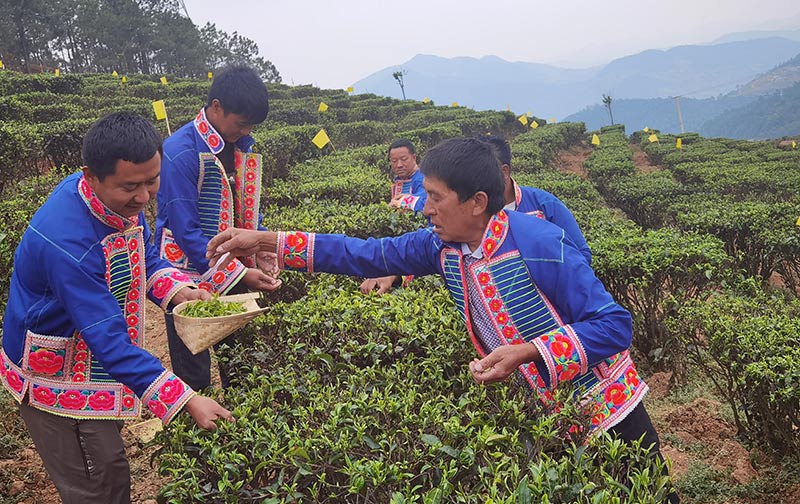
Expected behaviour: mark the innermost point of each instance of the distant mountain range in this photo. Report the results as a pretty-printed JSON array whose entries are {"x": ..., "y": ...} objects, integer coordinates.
[
  {"x": 711, "y": 79},
  {"x": 766, "y": 107}
]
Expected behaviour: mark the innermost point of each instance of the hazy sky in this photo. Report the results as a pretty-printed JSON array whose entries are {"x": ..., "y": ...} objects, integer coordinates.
[{"x": 332, "y": 44}]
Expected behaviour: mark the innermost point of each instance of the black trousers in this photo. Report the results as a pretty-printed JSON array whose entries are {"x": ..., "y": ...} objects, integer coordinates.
[
  {"x": 633, "y": 426},
  {"x": 85, "y": 458}
]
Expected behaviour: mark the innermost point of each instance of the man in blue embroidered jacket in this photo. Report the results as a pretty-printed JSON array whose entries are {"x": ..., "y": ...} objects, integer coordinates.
[
  {"x": 211, "y": 180},
  {"x": 530, "y": 300},
  {"x": 73, "y": 331},
  {"x": 407, "y": 190}
]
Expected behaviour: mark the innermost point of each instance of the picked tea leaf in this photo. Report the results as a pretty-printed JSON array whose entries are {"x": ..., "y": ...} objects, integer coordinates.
[{"x": 213, "y": 308}]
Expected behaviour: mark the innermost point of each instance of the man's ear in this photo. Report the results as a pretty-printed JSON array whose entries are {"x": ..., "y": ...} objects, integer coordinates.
[
  {"x": 481, "y": 202},
  {"x": 506, "y": 171},
  {"x": 90, "y": 177}
]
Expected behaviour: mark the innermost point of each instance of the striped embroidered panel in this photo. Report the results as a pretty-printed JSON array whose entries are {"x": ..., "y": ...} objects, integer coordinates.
[
  {"x": 528, "y": 310},
  {"x": 210, "y": 196},
  {"x": 452, "y": 276}
]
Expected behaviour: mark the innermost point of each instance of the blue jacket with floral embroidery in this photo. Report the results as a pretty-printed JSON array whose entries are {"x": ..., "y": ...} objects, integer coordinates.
[
  {"x": 535, "y": 287},
  {"x": 73, "y": 329},
  {"x": 196, "y": 201}
]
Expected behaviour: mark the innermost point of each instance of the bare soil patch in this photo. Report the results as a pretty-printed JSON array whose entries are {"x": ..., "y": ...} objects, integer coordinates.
[
  {"x": 642, "y": 160},
  {"x": 571, "y": 160}
]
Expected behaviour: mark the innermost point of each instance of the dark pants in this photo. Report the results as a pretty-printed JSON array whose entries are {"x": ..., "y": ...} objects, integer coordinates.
[
  {"x": 85, "y": 458},
  {"x": 633, "y": 427},
  {"x": 195, "y": 370}
]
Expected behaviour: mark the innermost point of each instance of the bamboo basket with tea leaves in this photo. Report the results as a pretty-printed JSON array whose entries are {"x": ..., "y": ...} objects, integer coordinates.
[{"x": 201, "y": 324}]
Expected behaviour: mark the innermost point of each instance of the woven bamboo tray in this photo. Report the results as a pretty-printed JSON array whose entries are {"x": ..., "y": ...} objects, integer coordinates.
[{"x": 199, "y": 333}]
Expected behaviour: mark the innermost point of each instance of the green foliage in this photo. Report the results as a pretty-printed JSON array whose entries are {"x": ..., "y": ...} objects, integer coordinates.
[
  {"x": 651, "y": 274},
  {"x": 384, "y": 410},
  {"x": 747, "y": 343}
]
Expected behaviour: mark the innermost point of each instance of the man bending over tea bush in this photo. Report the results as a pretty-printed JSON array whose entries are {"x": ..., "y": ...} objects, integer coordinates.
[
  {"x": 73, "y": 330},
  {"x": 211, "y": 180},
  {"x": 529, "y": 298}
]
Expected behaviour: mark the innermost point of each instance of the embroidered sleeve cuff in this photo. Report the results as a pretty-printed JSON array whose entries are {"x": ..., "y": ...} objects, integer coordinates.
[
  {"x": 563, "y": 354},
  {"x": 221, "y": 281},
  {"x": 166, "y": 396},
  {"x": 164, "y": 284},
  {"x": 296, "y": 251},
  {"x": 409, "y": 202}
]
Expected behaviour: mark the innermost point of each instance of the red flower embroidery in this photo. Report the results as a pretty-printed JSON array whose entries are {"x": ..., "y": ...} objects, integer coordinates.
[
  {"x": 562, "y": 346},
  {"x": 44, "y": 396},
  {"x": 162, "y": 287},
  {"x": 483, "y": 278},
  {"x": 296, "y": 241},
  {"x": 489, "y": 245},
  {"x": 72, "y": 399},
  {"x": 213, "y": 140},
  {"x": 206, "y": 286},
  {"x": 132, "y": 307},
  {"x": 157, "y": 407},
  {"x": 224, "y": 215},
  {"x": 632, "y": 377},
  {"x": 489, "y": 291},
  {"x": 115, "y": 222},
  {"x": 249, "y": 201},
  {"x": 45, "y": 362},
  {"x": 508, "y": 331},
  {"x": 248, "y": 225},
  {"x": 81, "y": 345},
  {"x": 203, "y": 127},
  {"x": 502, "y": 318},
  {"x": 79, "y": 367},
  {"x": 85, "y": 189},
  {"x": 225, "y": 204},
  {"x": 598, "y": 418},
  {"x": 101, "y": 400},
  {"x": 171, "y": 391},
  {"x": 80, "y": 356},
  {"x": 250, "y": 176},
  {"x": 132, "y": 244},
  {"x": 223, "y": 227},
  {"x": 295, "y": 262},
  {"x": 135, "y": 258},
  {"x": 495, "y": 304},
  {"x": 97, "y": 206},
  {"x": 180, "y": 277},
  {"x": 615, "y": 394},
  {"x": 225, "y": 193},
  {"x": 128, "y": 402},
  {"x": 231, "y": 266},
  {"x": 14, "y": 381},
  {"x": 133, "y": 320},
  {"x": 218, "y": 277},
  {"x": 570, "y": 372},
  {"x": 119, "y": 242},
  {"x": 133, "y": 294},
  {"x": 250, "y": 189},
  {"x": 251, "y": 163},
  {"x": 133, "y": 333},
  {"x": 79, "y": 377},
  {"x": 248, "y": 214},
  {"x": 497, "y": 229}
]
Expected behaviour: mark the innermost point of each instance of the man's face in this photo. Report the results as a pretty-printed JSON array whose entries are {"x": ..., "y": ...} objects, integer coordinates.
[
  {"x": 403, "y": 162},
  {"x": 452, "y": 220},
  {"x": 230, "y": 126},
  {"x": 129, "y": 188}
]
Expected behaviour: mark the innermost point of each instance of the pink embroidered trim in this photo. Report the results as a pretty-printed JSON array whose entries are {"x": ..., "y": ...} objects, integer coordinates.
[
  {"x": 101, "y": 212},
  {"x": 296, "y": 251},
  {"x": 495, "y": 233},
  {"x": 210, "y": 136},
  {"x": 409, "y": 202},
  {"x": 165, "y": 283},
  {"x": 166, "y": 396}
]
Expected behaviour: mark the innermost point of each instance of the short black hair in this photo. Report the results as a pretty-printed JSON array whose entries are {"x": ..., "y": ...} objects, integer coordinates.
[
  {"x": 502, "y": 148},
  {"x": 467, "y": 166},
  {"x": 402, "y": 142},
  {"x": 240, "y": 91},
  {"x": 119, "y": 136}
]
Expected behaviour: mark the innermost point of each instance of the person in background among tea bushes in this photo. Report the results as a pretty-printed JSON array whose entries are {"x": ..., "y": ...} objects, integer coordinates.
[
  {"x": 73, "y": 331},
  {"x": 407, "y": 194},
  {"x": 210, "y": 181}
]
